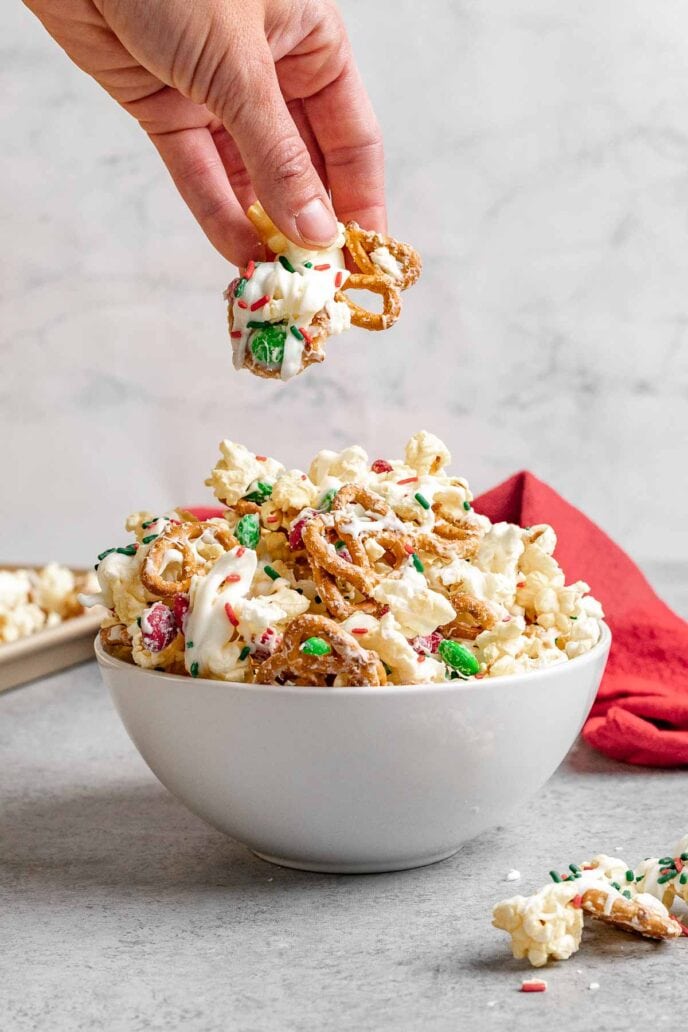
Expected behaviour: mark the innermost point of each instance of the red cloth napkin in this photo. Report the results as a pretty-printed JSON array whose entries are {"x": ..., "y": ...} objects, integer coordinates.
[{"x": 641, "y": 711}]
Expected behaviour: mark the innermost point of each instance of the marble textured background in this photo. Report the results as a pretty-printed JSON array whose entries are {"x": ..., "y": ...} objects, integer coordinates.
[{"x": 537, "y": 156}]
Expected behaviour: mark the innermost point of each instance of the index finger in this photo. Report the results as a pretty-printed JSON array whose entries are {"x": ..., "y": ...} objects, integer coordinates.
[{"x": 350, "y": 139}]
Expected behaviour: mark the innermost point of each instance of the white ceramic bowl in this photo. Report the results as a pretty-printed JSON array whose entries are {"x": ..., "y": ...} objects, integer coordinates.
[{"x": 355, "y": 779}]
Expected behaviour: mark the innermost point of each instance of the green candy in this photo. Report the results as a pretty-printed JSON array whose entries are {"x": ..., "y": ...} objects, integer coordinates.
[
  {"x": 261, "y": 492},
  {"x": 327, "y": 499},
  {"x": 248, "y": 531},
  {"x": 315, "y": 647},
  {"x": 267, "y": 345},
  {"x": 458, "y": 657}
]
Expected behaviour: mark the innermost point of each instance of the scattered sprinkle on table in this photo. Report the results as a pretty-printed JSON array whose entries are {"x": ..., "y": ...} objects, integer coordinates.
[
  {"x": 594, "y": 986},
  {"x": 513, "y": 875},
  {"x": 533, "y": 985}
]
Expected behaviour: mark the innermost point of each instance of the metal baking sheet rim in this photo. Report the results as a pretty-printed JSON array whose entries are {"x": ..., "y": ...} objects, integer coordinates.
[{"x": 48, "y": 651}]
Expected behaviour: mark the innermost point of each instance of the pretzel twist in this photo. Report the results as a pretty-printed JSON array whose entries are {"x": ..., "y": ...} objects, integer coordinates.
[
  {"x": 179, "y": 538},
  {"x": 360, "y": 242},
  {"x": 377, "y": 284},
  {"x": 631, "y": 915},
  {"x": 473, "y": 616},
  {"x": 347, "y": 661},
  {"x": 116, "y": 641}
]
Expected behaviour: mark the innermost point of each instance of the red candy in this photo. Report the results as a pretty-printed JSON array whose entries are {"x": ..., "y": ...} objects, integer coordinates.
[
  {"x": 296, "y": 532},
  {"x": 180, "y": 607},
  {"x": 381, "y": 466},
  {"x": 426, "y": 643},
  {"x": 158, "y": 627}
]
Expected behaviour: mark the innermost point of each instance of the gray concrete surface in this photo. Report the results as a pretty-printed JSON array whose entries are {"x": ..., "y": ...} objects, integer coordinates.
[{"x": 122, "y": 911}]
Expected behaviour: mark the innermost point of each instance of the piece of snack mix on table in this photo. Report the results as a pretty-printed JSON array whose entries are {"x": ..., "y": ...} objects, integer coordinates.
[
  {"x": 31, "y": 600},
  {"x": 359, "y": 572},
  {"x": 548, "y": 925},
  {"x": 281, "y": 312}
]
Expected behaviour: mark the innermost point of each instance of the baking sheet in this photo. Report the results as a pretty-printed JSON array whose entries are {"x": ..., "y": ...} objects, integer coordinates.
[{"x": 48, "y": 650}]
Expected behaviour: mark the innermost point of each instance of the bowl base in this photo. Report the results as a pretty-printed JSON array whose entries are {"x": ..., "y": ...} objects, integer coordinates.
[{"x": 363, "y": 868}]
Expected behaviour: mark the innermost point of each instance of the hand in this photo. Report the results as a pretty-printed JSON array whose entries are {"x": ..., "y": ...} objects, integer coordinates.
[{"x": 243, "y": 99}]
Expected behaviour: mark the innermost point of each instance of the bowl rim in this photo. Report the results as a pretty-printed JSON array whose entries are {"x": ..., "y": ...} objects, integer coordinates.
[{"x": 506, "y": 681}]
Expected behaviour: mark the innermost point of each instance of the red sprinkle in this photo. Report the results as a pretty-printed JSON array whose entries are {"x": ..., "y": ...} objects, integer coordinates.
[
  {"x": 260, "y": 303},
  {"x": 533, "y": 985},
  {"x": 272, "y": 519},
  {"x": 587, "y": 867},
  {"x": 381, "y": 466},
  {"x": 240, "y": 551},
  {"x": 261, "y": 458},
  {"x": 321, "y": 268},
  {"x": 306, "y": 336},
  {"x": 231, "y": 615},
  {"x": 520, "y": 584},
  {"x": 242, "y": 304},
  {"x": 250, "y": 269},
  {"x": 577, "y": 902},
  {"x": 232, "y": 578},
  {"x": 409, "y": 548},
  {"x": 409, "y": 480},
  {"x": 304, "y": 477},
  {"x": 684, "y": 928},
  {"x": 235, "y": 334},
  {"x": 338, "y": 280},
  {"x": 678, "y": 864},
  {"x": 359, "y": 630},
  {"x": 421, "y": 659}
]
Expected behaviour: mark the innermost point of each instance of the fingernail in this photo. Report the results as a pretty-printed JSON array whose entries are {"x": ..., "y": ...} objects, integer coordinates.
[{"x": 316, "y": 223}]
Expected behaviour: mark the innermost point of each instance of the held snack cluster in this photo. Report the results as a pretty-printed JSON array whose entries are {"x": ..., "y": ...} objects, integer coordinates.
[
  {"x": 31, "y": 600},
  {"x": 549, "y": 924},
  {"x": 281, "y": 312},
  {"x": 359, "y": 572}
]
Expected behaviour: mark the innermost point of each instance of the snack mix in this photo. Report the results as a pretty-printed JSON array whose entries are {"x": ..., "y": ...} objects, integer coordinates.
[
  {"x": 31, "y": 600},
  {"x": 357, "y": 573},
  {"x": 549, "y": 924},
  {"x": 281, "y": 312}
]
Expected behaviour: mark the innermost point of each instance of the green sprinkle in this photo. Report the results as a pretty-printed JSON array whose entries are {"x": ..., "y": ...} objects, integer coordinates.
[
  {"x": 574, "y": 868},
  {"x": 458, "y": 657},
  {"x": 244, "y": 654},
  {"x": 388, "y": 669},
  {"x": 417, "y": 563},
  {"x": 193, "y": 669},
  {"x": 296, "y": 332},
  {"x": 189, "y": 644},
  {"x": 148, "y": 538},
  {"x": 555, "y": 876},
  {"x": 630, "y": 876},
  {"x": 422, "y": 500},
  {"x": 248, "y": 531},
  {"x": 308, "y": 265},
  {"x": 285, "y": 263},
  {"x": 261, "y": 492},
  {"x": 272, "y": 573},
  {"x": 626, "y": 893},
  {"x": 267, "y": 344},
  {"x": 684, "y": 856},
  {"x": 240, "y": 287},
  {"x": 108, "y": 551},
  {"x": 327, "y": 499},
  {"x": 127, "y": 550},
  {"x": 666, "y": 877},
  {"x": 138, "y": 621},
  {"x": 315, "y": 647},
  {"x": 666, "y": 861},
  {"x": 149, "y": 523},
  {"x": 615, "y": 885},
  {"x": 573, "y": 618},
  {"x": 467, "y": 506},
  {"x": 684, "y": 878},
  {"x": 339, "y": 545},
  {"x": 258, "y": 324}
]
